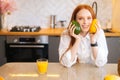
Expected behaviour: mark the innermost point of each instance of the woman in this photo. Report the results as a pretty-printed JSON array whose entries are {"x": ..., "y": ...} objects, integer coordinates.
[{"x": 84, "y": 47}]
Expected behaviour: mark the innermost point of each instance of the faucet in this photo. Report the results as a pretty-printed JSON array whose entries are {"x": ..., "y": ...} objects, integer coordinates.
[{"x": 94, "y": 4}]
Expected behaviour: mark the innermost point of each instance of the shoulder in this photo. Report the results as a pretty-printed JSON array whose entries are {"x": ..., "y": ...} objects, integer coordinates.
[
  {"x": 65, "y": 34},
  {"x": 101, "y": 34},
  {"x": 101, "y": 31}
]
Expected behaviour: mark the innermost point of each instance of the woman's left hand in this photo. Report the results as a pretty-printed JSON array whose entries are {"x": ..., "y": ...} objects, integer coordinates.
[{"x": 93, "y": 37}]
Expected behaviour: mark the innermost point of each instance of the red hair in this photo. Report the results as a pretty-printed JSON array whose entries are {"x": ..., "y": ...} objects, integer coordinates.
[
  {"x": 80, "y": 7},
  {"x": 76, "y": 10}
]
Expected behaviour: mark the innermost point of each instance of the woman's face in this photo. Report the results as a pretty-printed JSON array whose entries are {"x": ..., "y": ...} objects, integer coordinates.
[{"x": 84, "y": 18}]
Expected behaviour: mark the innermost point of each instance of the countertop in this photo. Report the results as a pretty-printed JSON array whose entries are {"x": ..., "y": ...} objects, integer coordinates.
[
  {"x": 28, "y": 71},
  {"x": 51, "y": 32},
  {"x": 43, "y": 31}
]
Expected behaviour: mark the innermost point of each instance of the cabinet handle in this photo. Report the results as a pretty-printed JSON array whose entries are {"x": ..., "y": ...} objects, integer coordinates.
[{"x": 28, "y": 46}]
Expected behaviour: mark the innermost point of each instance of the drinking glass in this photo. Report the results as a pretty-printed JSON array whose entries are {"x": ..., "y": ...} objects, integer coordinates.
[{"x": 42, "y": 65}]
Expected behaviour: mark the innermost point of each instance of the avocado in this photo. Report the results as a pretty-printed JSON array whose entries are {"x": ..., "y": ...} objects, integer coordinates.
[{"x": 78, "y": 28}]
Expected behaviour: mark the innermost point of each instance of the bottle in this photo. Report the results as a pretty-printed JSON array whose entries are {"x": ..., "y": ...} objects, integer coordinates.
[{"x": 52, "y": 21}]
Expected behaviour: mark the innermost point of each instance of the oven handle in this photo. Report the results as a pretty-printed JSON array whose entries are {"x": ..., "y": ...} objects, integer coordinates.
[{"x": 28, "y": 46}]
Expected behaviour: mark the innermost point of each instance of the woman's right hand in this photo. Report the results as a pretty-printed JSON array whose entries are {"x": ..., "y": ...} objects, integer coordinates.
[{"x": 71, "y": 29}]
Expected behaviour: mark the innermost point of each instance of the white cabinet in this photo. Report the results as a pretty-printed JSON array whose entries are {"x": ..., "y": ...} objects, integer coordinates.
[{"x": 114, "y": 49}]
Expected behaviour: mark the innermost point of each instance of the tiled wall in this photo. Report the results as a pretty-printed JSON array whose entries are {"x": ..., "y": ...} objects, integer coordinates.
[{"x": 37, "y": 12}]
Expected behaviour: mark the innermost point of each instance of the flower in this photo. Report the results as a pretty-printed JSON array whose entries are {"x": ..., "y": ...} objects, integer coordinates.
[{"x": 7, "y": 6}]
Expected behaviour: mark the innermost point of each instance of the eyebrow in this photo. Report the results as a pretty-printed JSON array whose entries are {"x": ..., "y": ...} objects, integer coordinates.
[{"x": 82, "y": 16}]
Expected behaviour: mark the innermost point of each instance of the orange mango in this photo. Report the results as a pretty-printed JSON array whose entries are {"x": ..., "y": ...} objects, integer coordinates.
[
  {"x": 111, "y": 77},
  {"x": 93, "y": 28}
]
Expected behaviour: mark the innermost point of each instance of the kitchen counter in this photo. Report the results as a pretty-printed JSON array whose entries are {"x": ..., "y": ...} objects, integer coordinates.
[
  {"x": 112, "y": 34},
  {"x": 28, "y": 71},
  {"x": 51, "y": 32},
  {"x": 44, "y": 31}
]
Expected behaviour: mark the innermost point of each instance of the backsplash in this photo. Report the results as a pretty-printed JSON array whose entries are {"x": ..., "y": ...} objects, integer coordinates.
[{"x": 37, "y": 12}]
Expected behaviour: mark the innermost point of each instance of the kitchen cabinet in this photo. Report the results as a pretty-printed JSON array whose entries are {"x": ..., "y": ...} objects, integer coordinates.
[
  {"x": 2, "y": 50},
  {"x": 114, "y": 49},
  {"x": 53, "y": 48},
  {"x": 112, "y": 42}
]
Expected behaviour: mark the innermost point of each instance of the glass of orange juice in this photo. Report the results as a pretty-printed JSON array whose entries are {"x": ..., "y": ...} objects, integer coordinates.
[
  {"x": 1, "y": 78},
  {"x": 42, "y": 65}
]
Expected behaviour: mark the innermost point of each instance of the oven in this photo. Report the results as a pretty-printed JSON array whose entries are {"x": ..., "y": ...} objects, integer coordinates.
[{"x": 26, "y": 48}]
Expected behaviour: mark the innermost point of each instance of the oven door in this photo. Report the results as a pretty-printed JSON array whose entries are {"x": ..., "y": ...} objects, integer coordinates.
[{"x": 25, "y": 52}]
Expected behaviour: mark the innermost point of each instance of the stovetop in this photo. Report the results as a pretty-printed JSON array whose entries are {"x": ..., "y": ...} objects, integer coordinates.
[{"x": 25, "y": 29}]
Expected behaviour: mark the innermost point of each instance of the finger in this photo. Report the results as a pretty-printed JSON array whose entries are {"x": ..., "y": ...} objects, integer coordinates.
[
  {"x": 72, "y": 30},
  {"x": 70, "y": 25},
  {"x": 73, "y": 27}
]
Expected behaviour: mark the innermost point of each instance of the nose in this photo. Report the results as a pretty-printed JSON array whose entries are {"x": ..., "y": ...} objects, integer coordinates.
[{"x": 85, "y": 21}]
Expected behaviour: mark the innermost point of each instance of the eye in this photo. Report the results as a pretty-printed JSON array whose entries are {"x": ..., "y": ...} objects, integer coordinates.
[
  {"x": 89, "y": 18},
  {"x": 80, "y": 18}
]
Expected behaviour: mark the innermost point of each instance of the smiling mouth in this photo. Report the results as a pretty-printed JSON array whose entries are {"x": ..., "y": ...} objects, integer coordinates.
[{"x": 85, "y": 27}]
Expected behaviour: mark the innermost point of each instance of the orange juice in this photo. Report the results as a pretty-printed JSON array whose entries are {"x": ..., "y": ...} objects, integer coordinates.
[
  {"x": 42, "y": 66},
  {"x": 1, "y": 78}
]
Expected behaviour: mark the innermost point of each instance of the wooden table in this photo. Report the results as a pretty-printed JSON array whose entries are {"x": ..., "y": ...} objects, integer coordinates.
[{"x": 28, "y": 71}]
